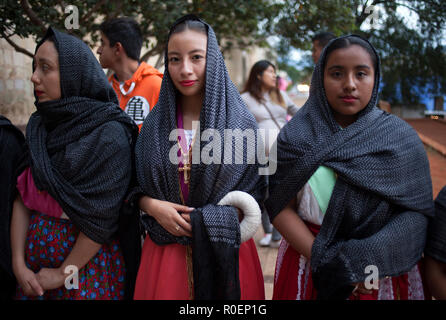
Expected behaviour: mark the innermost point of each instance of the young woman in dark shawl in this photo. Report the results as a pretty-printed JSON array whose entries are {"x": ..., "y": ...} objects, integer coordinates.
[
  {"x": 74, "y": 179},
  {"x": 11, "y": 150},
  {"x": 435, "y": 251},
  {"x": 364, "y": 192},
  {"x": 196, "y": 248}
]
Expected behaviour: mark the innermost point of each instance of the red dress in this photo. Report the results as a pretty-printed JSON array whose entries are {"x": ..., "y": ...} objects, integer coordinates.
[{"x": 163, "y": 275}]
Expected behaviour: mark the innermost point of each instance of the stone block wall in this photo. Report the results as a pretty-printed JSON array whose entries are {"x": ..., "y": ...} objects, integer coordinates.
[{"x": 16, "y": 88}]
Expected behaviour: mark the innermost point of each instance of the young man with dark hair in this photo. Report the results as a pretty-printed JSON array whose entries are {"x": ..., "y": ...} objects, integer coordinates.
[
  {"x": 137, "y": 84},
  {"x": 320, "y": 40}
]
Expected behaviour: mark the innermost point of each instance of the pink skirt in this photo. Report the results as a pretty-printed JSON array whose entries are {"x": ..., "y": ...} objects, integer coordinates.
[{"x": 162, "y": 274}]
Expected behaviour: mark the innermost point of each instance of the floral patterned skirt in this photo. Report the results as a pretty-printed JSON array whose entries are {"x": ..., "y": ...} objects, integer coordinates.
[{"x": 50, "y": 240}]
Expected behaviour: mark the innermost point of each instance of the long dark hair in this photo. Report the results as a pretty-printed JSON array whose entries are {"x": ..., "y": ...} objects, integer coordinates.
[{"x": 254, "y": 83}]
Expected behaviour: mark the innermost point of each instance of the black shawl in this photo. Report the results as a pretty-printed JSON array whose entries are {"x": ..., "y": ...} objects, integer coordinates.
[
  {"x": 80, "y": 145},
  {"x": 383, "y": 193},
  {"x": 11, "y": 150},
  {"x": 436, "y": 242},
  {"x": 216, "y": 231}
]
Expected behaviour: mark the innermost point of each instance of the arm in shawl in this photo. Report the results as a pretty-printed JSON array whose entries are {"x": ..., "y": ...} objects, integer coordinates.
[
  {"x": 436, "y": 277},
  {"x": 103, "y": 175},
  {"x": 346, "y": 269},
  {"x": 436, "y": 244},
  {"x": 394, "y": 249},
  {"x": 11, "y": 150},
  {"x": 216, "y": 240},
  {"x": 435, "y": 250}
]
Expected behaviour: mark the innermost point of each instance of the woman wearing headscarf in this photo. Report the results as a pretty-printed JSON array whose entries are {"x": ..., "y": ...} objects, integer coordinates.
[
  {"x": 352, "y": 192},
  {"x": 196, "y": 247},
  {"x": 74, "y": 179},
  {"x": 270, "y": 107}
]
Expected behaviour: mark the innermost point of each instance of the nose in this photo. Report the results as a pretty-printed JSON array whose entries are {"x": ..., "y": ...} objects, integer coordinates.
[
  {"x": 186, "y": 67},
  {"x": 349, "y": 84},
  {"x": 99, "y": 51},
  {"x": 34, "y": 78}
]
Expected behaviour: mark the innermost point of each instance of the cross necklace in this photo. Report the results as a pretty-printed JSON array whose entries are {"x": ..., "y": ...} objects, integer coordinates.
[{"x": 186, "y": 159}]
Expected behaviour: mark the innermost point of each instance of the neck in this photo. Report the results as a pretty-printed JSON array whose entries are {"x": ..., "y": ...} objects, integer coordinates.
[
  {"x": 125, "y": 69},
  {"x": 191, "y": 109},
  {"x": 265, "y": 90},
  {"x": 344, "y": 120}
]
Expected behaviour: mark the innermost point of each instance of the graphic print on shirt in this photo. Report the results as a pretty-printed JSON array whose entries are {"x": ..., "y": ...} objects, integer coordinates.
[{"x": 137, "y": 108}]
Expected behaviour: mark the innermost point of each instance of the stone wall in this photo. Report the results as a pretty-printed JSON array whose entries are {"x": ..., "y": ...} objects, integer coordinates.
[{"x": 16, "y": 88}]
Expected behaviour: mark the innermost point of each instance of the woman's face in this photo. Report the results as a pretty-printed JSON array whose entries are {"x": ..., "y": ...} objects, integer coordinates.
[
  {"x": 349, "y": 77},
  {"x": 269, "y": 78},
  {"x": 46, "y": 75},
  {"x": 186, "y": 54}
]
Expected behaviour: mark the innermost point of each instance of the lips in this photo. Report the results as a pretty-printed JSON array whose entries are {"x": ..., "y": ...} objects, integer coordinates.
[
  {"x": 187, "y": 83},
  {"x": 38, "y": 92},
  {"x": 349, "y": 99}
]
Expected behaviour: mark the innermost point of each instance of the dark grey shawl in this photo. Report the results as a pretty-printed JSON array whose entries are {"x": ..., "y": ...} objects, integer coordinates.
[
  {"x": 80, "y": 145},
  {"x": 377, "y": 212},
  {"x": 216, "y": 231},
  {"x": 436, "y": 242},
  {"x": 11, "y": 149}
]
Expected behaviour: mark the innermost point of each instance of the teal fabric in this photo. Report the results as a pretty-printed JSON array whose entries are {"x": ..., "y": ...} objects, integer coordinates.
[{"x": 322, "y": 183}]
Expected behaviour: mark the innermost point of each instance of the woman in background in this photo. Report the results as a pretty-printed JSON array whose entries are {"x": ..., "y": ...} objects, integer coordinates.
[{"x": 270, "y": 106}]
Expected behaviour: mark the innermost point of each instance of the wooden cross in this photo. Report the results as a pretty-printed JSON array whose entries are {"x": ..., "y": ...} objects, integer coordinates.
[{"x": 185, "y": 169}]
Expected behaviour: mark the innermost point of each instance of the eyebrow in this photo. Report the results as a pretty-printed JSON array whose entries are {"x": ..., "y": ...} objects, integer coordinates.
[
  {"x": 192, "y": 51},
  {"x": 361, "y": 66},
  {"x": 44, "y": 60}
]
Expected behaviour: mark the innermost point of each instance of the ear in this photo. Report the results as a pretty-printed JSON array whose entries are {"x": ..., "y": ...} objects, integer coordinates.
[{"x": 119, "y": 48}]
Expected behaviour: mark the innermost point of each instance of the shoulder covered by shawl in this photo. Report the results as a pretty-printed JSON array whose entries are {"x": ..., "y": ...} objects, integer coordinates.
[
  {"x": 11, "y": 151},
  {"x": 102, "y": 158},
  {"x": 436, "y": 243},
  {"x": 382, "y": 153}
]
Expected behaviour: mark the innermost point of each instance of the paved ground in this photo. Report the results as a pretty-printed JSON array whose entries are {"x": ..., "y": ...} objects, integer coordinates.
[
  {"x": 433, "y": 135},
  {"x": 268, "y": 262},
  {"x": 431, "y": 132}
]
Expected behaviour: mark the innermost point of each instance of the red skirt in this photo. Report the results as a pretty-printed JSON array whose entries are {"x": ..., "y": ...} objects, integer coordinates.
[
  {"x": 293, "y": 281},
  {"x": 163, "y": 275}
]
